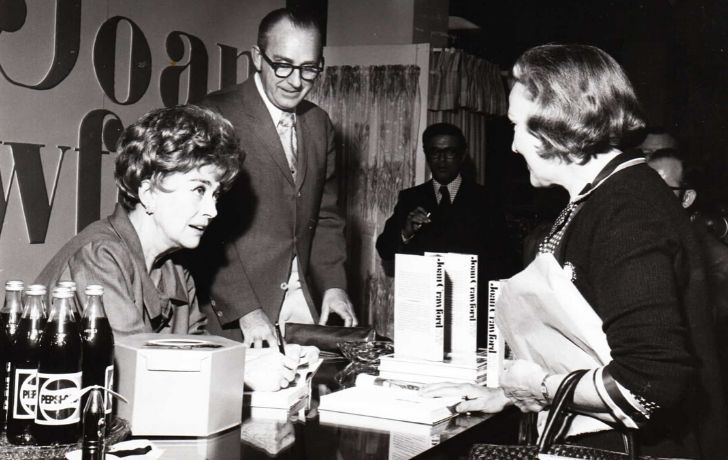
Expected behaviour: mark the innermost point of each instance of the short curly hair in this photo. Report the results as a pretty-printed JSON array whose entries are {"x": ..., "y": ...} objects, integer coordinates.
[
  {"x": 174, "y": 140},
  {"x": 585, "y": 103}
]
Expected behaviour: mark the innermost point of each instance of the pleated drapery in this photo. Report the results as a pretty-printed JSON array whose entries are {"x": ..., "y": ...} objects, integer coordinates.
[
  {"x": 375, "y": 110},
  {"x": 466, "y": 90}
]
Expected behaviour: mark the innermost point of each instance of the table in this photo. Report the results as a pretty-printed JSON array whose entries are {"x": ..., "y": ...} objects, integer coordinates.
[{"x": 300, "y": 433}]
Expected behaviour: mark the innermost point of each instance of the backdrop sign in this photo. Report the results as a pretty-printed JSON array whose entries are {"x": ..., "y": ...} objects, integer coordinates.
[{"x": 73, "y": 73}]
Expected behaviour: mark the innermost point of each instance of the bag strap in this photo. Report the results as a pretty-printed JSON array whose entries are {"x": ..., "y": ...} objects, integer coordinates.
[{"x": 559, "y": 408}]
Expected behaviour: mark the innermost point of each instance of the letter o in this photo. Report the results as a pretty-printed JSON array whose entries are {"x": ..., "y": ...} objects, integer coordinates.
[{"x": 140, "y": 69}]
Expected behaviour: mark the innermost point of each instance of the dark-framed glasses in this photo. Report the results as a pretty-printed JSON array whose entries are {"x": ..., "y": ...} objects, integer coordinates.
[
  {"x": 445, "y": 154},
  {"x": 284, "y": 70}
]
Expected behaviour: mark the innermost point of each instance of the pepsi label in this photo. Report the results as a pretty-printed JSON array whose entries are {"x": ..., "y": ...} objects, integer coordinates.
[
  {"x": 24, "y": 399},
  {"x": 58, "y": 399},
  {"x": 108, "y": 384}
]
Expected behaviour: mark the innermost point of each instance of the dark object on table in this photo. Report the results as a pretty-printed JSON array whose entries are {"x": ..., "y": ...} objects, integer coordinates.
[
  {"x": 327, "y": 338},
  {"x": 554, "y": 423},
  {"x": 118, "y": 432}
]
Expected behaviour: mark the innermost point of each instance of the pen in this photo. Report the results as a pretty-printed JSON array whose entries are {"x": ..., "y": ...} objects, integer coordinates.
[{"x": 281, "y": 343}]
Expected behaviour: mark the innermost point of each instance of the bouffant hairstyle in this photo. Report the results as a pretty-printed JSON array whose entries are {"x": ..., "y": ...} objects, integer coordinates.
[
  {"x": 585, "y": 104},
  {"x": 299, "y": 17},
  {"x": 444, "y": 129},
  {"x": 174, "y": 140}
]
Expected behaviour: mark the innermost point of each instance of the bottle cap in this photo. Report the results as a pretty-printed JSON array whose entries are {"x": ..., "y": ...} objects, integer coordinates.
[
  {"x": 36, "y": 289},
  {"x": 14, "y": 285},
  {"x": 94, "y": 289},
  {"x": 67, "y": 284},
  {"x": 61, "y": 292}
]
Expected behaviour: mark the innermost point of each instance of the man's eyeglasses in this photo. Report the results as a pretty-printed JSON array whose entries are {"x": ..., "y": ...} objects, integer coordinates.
[
  {"x": 442, "y": 154},
  {"x": 284, "y": 70}
]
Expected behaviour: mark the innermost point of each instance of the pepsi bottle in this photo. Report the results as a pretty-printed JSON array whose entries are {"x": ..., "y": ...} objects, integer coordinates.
[
  {"x": 25, "y": 349},
  {"x": 10, "y": 315},
  {"x": 12, "y": 308},
  {"x": 58, "y": 412},
  {"x": 98, "y": 346},
  {"x": 71, "y": 285}
]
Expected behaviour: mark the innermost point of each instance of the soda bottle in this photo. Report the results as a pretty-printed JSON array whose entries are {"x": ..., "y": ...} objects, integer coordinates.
[
  {"x": 9, "y": 318},
  {"x": 58, "y": 412},
  {"x": 72, "y": 286},
  {"x": 25, "y": 349},
  {"x": 13, "y": 307},
  {"x": 98, "y": 346},
  {"x": 94, "y": 427}
]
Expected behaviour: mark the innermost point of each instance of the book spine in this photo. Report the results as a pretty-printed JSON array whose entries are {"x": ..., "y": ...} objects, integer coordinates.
[
  {"x": 427, "y": 378},
  {"x": 437, "y": 351},
  {"x": 495, "y": 346},
  {"x": 472, "y": 329}
]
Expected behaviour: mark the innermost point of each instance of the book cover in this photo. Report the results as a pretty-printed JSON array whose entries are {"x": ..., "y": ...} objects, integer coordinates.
[
  {"x": 461, "y": 302},
  {"x": 368, "y": 398},
  {"x": 419, "y": 306}
]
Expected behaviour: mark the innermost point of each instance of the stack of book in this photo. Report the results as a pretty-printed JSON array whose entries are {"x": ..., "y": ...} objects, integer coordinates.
[
  {"x": 435, "y": 340},
  {"x": 436, "y": 321},
  {"x": 375, "y": 397},
  {"x": 454, "y": 368}
]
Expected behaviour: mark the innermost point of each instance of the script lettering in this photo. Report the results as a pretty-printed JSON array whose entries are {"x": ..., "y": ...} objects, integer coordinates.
[
  {"x": 140, "y": 67},
  {"x": 169, "y": 82},
  {"x": 67, "y": 38},
  {"x": 33, "y": 193},
  {"x": 98, "y": 134}
]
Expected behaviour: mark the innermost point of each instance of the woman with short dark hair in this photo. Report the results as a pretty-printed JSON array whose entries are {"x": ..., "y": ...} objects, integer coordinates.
[
  {"x": 172, "y": 165},
  {"x": 632, "y": 256}
]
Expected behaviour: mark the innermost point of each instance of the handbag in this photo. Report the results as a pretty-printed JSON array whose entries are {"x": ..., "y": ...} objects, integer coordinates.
[
  {"x": 327, "y": 338},
  {"x": 546, "y": 447}
]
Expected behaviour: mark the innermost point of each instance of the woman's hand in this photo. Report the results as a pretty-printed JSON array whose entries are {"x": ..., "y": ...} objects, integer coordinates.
[
  {"x": 266, "y": 369},
  {"x": 521, "y": 383},
  {"x": 475, "y": 397}
]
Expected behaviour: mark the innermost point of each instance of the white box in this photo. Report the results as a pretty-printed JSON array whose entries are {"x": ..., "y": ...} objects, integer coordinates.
[{"x": 180, "y": 385}]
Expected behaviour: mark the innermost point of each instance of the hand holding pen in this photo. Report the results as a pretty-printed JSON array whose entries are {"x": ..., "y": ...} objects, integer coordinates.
[{"x": 415, "y": 220}]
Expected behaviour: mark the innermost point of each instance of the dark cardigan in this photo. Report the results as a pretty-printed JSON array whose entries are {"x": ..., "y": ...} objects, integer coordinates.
[{"x": 639, "y": 265}]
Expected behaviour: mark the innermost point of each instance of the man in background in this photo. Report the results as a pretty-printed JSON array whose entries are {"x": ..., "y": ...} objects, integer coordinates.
[
  {"x": 449, "y": 213},
  {"x": 669, "y": 165},
  {"x": 278, "y": 250}
]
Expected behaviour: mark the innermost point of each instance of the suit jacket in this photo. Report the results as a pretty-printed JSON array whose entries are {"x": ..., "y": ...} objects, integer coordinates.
[
  {"x": 471, "y": 226},
  {"x": 266, "y": 219}
]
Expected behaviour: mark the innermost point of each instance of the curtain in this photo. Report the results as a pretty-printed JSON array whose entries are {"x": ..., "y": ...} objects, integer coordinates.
[
  {"x": 465, "y": 91},
  {"x": 375, "y": 110}
]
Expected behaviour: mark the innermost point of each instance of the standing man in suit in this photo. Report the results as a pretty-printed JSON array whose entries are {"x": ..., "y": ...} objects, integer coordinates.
[
  {"x": 449, "y": 213},
  {"x": 279, "y": 241}
]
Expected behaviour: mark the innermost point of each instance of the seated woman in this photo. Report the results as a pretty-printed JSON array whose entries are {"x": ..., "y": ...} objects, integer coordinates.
[
  {"x": 172, "y": 166},
  {"x": 634, "y": 259}
]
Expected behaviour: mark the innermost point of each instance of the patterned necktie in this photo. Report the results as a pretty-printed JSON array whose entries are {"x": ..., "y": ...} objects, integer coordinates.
[{"x": 287, "y": 132}]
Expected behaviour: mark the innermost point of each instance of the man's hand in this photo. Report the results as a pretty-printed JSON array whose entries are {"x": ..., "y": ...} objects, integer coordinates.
[
  {"x": 415, "y": 220},
  {"x": 257, "y": 328},
  {"x": 336, "y": 300}
]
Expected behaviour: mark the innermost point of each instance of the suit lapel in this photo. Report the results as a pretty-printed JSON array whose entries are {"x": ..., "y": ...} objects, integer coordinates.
[
  {"x": 431, "y": 204},
  {"x": 262, "y": 127}
]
